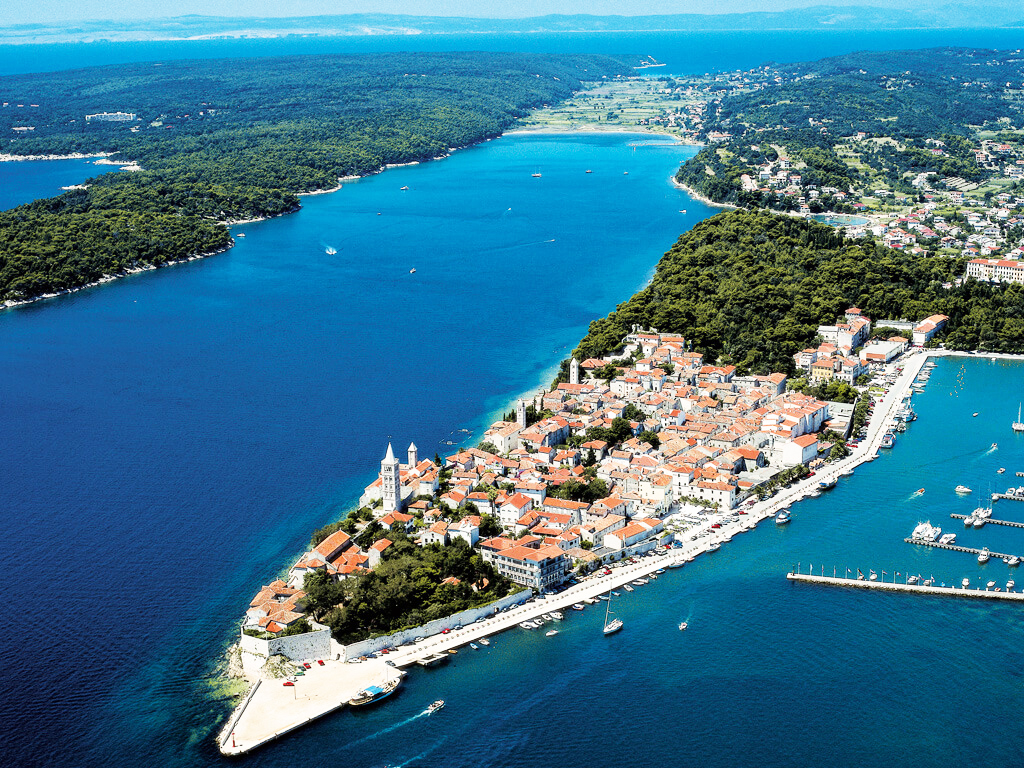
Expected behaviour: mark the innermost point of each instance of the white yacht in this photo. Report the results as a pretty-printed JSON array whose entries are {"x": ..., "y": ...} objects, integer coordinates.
[
  {"x": 984, "y": 556},
  {"x": 947, "y": 538},
  {"x": 963, "y": 490},
  {"x": 926, "y": 532}
]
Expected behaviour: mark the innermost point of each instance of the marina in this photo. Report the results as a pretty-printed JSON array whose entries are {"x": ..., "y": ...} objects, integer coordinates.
[
  {"x": 990, "y": 521},
  {"x": 958, "y": 548}
]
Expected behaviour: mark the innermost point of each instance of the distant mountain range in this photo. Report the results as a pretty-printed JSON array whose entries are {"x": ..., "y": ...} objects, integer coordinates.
[{"x": 921, "y": 16}]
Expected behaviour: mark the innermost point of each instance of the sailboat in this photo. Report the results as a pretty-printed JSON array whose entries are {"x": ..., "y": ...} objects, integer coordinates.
[
  {"x": 614, "y": 625},
  {"x": 1018, "y": 425}
]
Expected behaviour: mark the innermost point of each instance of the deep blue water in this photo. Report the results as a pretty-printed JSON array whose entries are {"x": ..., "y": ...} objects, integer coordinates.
[
  {"x": 23, "y": 182},
  {"x": 169, "y": 441},
  {"x": 681, "y": 52}
]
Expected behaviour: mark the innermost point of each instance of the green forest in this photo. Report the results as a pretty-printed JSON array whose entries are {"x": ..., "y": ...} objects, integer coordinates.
[
  {"x": 751, "y": 287},
  {"x": 910, "y": 96},
  {"x": 406, "y": 590},
  {"x": 232, "y": 139}
]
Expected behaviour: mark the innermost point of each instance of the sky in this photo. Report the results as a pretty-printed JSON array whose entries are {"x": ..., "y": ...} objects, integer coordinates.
[{"x": 51, "y": 11}]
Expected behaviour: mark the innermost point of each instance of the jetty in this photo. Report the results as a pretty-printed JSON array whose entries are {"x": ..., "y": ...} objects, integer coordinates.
[
  {"x": 916, "y": 589},
  {"x": 1008, "y": 497},
  {"x": 958, "y": 548},
  {"x": 991, "y": 521}
]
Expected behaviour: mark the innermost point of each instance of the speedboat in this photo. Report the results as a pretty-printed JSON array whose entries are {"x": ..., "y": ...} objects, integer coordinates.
[
  {"x": 1000, "y": 470},
  {"x": 627, "y": 588},
  {"x": 782, "y": 518},
  {"x": 474, "y": 646},
  {"x": 984, "y": 555},
  {"x": 484, "y": 641},
  {"x": 577, "y": 606},
  {"x": 551, "y": 633},
  {"x": 439, "y": 704},
  {"x": 682, "y": 626},
  {"x": 963, "y": 490}
]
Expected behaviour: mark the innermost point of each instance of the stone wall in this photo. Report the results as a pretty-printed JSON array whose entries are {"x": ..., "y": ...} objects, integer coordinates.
[
  {"x": 374, "y": 644},
  {"x": 309, "y": 645}
]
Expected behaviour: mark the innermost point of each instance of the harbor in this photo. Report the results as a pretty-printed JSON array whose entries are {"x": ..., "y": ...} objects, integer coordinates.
[
  {"x": 990, "y": 521},
  {"x": 958, "y": 548},
  {"x": 916, "y": 589}
]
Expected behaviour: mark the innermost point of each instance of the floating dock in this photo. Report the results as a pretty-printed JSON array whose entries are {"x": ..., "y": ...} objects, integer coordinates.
[
  {"x": 1007, "y": 496},
  {"x": 917, "y": 589},
  {"x": 989, "y": 520},
  {"x": 957, "y": 548}
]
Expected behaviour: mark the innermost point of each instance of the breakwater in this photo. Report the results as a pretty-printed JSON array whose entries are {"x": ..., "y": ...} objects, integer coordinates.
[{"x": 917, "y": 589}]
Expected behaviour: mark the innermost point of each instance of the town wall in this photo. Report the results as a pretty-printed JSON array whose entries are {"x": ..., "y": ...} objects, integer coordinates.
[
  {"x": 374, "y": 644},
  {"x": 309, "y": 645}
]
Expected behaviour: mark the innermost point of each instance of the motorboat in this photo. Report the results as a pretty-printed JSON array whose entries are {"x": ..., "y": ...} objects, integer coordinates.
[
  {"x": 1010, "y": 585},
  {"x": 331, "y": 251},
  {"x": 926, "y": 532},
  {"x": 990, "y": 584},
  {"x": 627, "y": 588},
  {"x": 782, "y": 518},
  {"x": 965, "y": 583},
  {"x": 947, "y": 538},
  {"x": 526, "y": 624},
  {"x": 983, "y": 556},
  {"x": 1000, "y": 470},
  {"x": 577, "y": 606},
  {"x": 484, "y": 641},
  {"x": 963, "y": 490},
  {"x": 474, "y": 646},
  {"x": 551, "y": 633},
  {"x": 439, "y": 704},
  {"x": 557, "y": 615},
  {"x": 682, "y": 626},
  {"x": 546, "y": 616},
  {"x": 913, "y": 579},
  {"x": 872, "y": 576},
  {"x": 1013, "y": 561},
  {"x": 714, "y": 547}
]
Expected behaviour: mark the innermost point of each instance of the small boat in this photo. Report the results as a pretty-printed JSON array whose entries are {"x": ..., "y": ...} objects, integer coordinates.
[
  {"x": 615, "y": 594},
  {"x": 847, "y": 473},
  {"x": 913, "y": 579},
  {"x": 452, "y": 651},
  {"x": 536, "y": 175},
  {"x": 826, "y": 485},
  {"x": 412, "y": 271},
  {"x": 919, "y": 491},
  {"x": 782, "y": 518},
  {"x": 1017, "y": 426},
  {"x": 578, "y": 606},
  {"x": 1000, "y": 470},
  {"x": 968, "y": 521},
  {"x": 963, "y": 490},
  {"x": 628, "y": 588},
  {"x": 551, "y": 633},
  {"x": 557, "y": 615},
  {"x": 1010, "y": 585},
  {"x": 526, "y": 624},
  {"x": 872, "y": 576},
  {"x": 947, "y": 538},
  {"x": 484, "y": 641},
  {"x": 994, "y": 446},
  {"x": 404, "y": 189},
  {"x": 331, "y": 251},
  {"x": 965, "y": 583},
  {"x": 1014, "y": 561},
  {"x": 714, "y": 547},
  {"x": 375, "y": 693},
  {"x": 974, "y": 414},
  {"x": 990, "y": 584},
  {"x": 546, "y": 616},
  {"x": 439, "y": 704},
  {"x": 984, "y": 556},
  {"x": 625, "y": 173},
  {"x": 682, "y": 626},
  {"x": 589, "y": 171},
  {"x": 660, "y": 571},
  {"x": 474, "y": 646},
  {"x": 240, "y": 234}
]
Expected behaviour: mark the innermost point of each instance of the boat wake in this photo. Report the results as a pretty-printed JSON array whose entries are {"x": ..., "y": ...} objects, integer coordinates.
[
  {"x": 390, "y": 728},
  {"x": 420, "y": 756}
]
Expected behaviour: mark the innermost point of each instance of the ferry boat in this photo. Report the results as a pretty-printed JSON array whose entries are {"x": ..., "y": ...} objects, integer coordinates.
[
  {"x": 375, "y": 693},
  {"x": 888, "y": 440},
  {"x": 782, "y": 518},
  {"x": 984, "y": 556},
  {"x": 439, "y": 704},
  {"x": 1018, "y": 425},
  {"x": 963, "y": 490}
]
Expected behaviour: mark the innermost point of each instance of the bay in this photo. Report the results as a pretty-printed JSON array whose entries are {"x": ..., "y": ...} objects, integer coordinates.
[
  {"x": 27, "y": 180},
  {"x": 171, "y": 439}
]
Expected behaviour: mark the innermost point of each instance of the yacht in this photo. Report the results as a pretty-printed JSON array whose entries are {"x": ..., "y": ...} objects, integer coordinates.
[
  {"x": 782, "y": 518},
  {"x": 969, "y": 521},
  {"x": 1018, "y": 425},
  {"x": 614, "y": 625},
  {"x": 947, "y": 538},
  {"x": 551, "y": 633},
  {"x": 888, "y": 440},
  {"x": 963, "y": 490},
  {"x": 557, "y": 615},
  {"x": 926, "y": 532},
  {"x": 375, "y": 693},
  {"x": 984, "y": 556},
  {"x": 439, "y": 704},
  {"x": 484, "y": 641},
  {"x": 913, "y": 579},
  {"x": 682, "y": 626},
  {"x": 826, "y": 485},
  {"x": 714, "y": 547},
  {"x": 965, "y": 583},
  {"x": 1013, "y": 562},
  {"x": 526, "y": 625}
]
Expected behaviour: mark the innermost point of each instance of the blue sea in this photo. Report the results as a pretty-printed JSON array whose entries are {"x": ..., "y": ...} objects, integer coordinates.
[{"x": 170, "y": 440}]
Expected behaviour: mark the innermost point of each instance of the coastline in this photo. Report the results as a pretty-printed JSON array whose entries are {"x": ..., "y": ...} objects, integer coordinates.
[
  {"x": 9, "y": 304},
  {"x": 701, "y": 199},
  {"x": 7, "y": 158}
]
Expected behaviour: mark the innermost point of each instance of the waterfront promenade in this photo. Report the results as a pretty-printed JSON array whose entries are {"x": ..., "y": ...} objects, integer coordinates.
[{"x": 272, "y": 710}]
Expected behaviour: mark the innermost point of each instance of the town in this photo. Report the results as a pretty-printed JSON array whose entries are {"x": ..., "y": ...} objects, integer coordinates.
[{"x": 622, "y": 457}]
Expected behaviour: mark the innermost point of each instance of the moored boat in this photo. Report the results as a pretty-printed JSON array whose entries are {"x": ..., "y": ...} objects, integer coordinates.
[
  {"x": 615, "y": 624},
  {"x": 984, "y": 555},
  {"x": 375, "y": 693},
  {"x": 782, "y": 518}
]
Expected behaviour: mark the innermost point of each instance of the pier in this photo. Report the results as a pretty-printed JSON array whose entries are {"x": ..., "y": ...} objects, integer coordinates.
[
  {"x": 992, "y": 521},
  {"x": 957, "y": 548},
  {"x": 1008, "y": 497},
  {"x": 917, "y": 589}
]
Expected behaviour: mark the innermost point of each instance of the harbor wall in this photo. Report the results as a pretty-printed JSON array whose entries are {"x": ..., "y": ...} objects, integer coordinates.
[
  {"x": 309, "y": 645},
  {"x": 374, "y": 644}
]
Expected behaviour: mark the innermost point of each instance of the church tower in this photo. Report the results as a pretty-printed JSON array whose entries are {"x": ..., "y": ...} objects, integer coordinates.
[
  {"x": 521, "y": 413},
  {"x": 390, "y": 482},
  {"x": 574, "y": 371},
  {"x": 414, "y": 456}
]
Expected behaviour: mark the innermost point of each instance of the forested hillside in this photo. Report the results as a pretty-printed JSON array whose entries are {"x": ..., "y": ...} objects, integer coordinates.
[
  {"x": 238, "y": 138},
  {"x": 750, "y": 289},
  {"x": 899, "y": 100}
]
